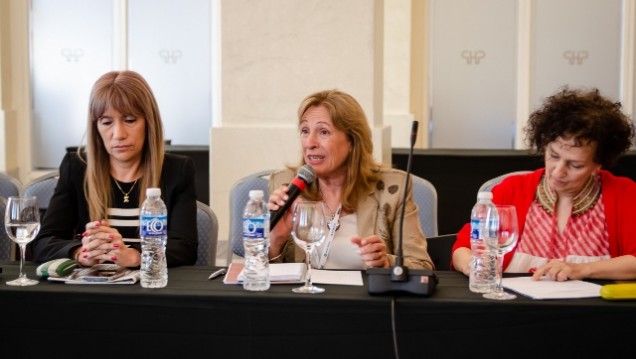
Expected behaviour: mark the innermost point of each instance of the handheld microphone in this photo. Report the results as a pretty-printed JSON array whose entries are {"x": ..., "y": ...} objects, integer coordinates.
[
  {"x": 400, "y": 279},
  {"x": 304, "y": 177}
]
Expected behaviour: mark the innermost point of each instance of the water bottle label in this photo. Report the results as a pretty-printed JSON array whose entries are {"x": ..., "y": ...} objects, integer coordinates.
[
  {"x": 474, "y": 228},
  {"x": 153, "y": 226},
  {"x": 253, "y": 227}
]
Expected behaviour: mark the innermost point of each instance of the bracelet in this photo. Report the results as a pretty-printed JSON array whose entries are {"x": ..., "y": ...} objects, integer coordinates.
[{"x": 277, "y": 256}]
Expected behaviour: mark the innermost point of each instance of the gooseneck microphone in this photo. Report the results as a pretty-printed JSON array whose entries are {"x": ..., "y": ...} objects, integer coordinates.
[
  {"x": 400, "y": 279},
  {"x": 304, "y": 177}
]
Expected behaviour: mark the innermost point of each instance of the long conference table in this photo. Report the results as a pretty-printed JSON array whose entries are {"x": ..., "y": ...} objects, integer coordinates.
[{"x": 194, "y": 316}]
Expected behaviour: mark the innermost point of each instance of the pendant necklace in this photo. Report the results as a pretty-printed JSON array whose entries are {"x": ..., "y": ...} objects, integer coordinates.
[
  {"x": 126, "y": 197},
  {"x": 332, "y": 213}
]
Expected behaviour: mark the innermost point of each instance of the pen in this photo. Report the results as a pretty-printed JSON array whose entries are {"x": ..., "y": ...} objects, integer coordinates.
[{"x": 217, "y": 273}]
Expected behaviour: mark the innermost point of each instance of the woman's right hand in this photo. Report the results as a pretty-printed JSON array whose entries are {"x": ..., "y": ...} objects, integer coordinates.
[{"x": 280, "y": 233}]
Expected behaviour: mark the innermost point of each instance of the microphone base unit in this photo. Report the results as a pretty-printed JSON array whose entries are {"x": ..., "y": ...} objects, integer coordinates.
[{"x": 421, "y": 282}]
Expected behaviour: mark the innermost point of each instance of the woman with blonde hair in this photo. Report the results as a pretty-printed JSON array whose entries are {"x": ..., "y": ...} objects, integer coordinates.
[{"x": 364, "y": 197}]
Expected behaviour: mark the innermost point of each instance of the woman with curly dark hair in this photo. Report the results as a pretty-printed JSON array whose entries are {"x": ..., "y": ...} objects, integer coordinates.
[{"x": 576, "y": 219}]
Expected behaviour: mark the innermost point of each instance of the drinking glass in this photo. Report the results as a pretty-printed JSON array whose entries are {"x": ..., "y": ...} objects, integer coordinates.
[
  {"x": 308, "y": 229},
  {"x": 506, "y": 238},
  {"x": 22, "y": 223}
]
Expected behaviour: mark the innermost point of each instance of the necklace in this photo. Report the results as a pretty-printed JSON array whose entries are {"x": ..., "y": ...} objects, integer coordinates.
[
  {"x": 126, "y": 197},
  {"x": 583, "y": 201},
  {"x": 332, "y": 213}
]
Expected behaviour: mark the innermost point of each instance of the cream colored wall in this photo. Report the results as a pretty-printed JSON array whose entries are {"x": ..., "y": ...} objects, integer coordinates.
[
  {"x": 397, "y": 70},
  {"x": 273, "y": 54},
  {"x": 15, "y": 126}
]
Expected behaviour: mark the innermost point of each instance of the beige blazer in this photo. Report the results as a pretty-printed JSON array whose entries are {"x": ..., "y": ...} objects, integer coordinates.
[{"x": 378, "y": 213}]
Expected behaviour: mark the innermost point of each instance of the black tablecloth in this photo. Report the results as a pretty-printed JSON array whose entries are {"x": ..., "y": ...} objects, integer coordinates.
[{"x": 194, "y": 316}]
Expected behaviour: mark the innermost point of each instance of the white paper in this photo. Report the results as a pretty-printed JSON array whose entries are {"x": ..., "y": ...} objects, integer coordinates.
[
  {"x": 546, "y": 288},
  {"x": 323, "y": 276}
]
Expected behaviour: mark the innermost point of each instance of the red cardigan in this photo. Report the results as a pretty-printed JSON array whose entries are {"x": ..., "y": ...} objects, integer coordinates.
[{"x": 619, "y": 199}]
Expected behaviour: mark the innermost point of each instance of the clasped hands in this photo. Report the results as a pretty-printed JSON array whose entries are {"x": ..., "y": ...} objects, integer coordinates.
[{"x": 103, "y": 243}]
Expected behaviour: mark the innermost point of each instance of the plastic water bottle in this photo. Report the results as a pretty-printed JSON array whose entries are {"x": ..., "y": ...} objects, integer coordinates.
[
  {"x": 256, "y": 243},
  {"x": 153, "y": 227},
  {"x": 482, "y": 277}
]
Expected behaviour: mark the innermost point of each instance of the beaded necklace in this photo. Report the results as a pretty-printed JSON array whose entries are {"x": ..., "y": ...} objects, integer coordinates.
[{"x": 582, "y": 202}]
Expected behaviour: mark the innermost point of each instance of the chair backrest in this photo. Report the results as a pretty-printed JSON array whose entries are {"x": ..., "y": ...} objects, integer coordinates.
[
  {"x": 9, "y": 186},
  {"x": 43, "y": 188},
  {"x": 439, "y": 248},
  {"x": 7, "y": 246},
  {"x": 208, "y": 233},
  {"x": 425, "y": 195},
  {"x": 489, "y": 184},
  {"x": 239, "y": 194}
]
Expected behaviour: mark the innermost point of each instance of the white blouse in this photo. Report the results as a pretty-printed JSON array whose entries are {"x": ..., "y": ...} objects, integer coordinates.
[{"x": 343, "y": 254}]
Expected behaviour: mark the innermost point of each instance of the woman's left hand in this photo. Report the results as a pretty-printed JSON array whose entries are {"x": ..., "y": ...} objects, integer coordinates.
[
  {"x": 103, "y": 243},
  {"x": 372, "y": 251}
]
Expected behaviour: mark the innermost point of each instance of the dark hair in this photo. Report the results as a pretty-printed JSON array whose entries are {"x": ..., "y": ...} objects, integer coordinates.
[{"x": 587, "y": 116}]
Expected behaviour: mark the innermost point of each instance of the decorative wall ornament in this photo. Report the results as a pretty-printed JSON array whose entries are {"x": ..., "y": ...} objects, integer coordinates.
[
  {"x": 575, "y": 57},
  {"x": 473, "y": 56},
  {"x": 170, "y": 56},
  {"x": 72, "y": 54}
]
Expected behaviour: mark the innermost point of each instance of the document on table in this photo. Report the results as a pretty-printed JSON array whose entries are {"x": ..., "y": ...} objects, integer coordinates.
[
  {"x": 295, "y": 273},
  {"x": 104, "y": 273},
  {"x": 549, "y": 289},
  {"x": 325, "y": 276}
]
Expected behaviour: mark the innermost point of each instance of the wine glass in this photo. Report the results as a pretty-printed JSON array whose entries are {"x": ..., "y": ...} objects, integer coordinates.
[
  {"x": 308, "y": 229},
  {"x": 22, "y": 223},
  {"x": 506, "y": 238}
]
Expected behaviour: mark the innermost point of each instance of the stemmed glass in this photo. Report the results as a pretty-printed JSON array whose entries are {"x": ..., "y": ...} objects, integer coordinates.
[
  {"x": 308, "y": 229},
  {"x": 22, "y": 223},
  {"x": 506, "y": 239}
]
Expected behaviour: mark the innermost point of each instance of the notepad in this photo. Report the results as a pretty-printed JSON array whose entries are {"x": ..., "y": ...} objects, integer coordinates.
[
  {"x": 281, "y": 273},
  {"x": 278, "y": 273},
  {"x": 549, "y": 289}
]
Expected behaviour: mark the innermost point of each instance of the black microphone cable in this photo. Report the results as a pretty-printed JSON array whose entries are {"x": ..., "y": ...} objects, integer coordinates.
[{"x": 394, "y": 329}]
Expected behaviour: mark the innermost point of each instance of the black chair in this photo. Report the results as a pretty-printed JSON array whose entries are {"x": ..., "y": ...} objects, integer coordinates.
[{"x": 439, "y": 248}]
